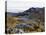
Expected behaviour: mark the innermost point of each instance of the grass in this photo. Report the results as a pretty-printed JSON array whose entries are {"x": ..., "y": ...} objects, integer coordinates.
[{"x": 37, "y": 25}]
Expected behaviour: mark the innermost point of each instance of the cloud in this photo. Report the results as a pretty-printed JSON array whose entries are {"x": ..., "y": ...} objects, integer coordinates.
[{"x": 13, "y": 5}]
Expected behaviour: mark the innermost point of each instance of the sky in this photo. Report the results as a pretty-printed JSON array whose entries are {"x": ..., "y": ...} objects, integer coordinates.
[{"x": 22, "y": 5}]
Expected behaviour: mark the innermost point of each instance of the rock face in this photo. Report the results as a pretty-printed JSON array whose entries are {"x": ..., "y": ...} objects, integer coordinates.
[
  {"x": 31, "y": 20},
  {"x": 36, "y": 13},
  {"x": 23, "y": 25}
]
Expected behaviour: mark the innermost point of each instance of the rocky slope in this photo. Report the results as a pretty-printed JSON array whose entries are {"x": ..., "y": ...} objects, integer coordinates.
[{"x": 31, "y": 20}]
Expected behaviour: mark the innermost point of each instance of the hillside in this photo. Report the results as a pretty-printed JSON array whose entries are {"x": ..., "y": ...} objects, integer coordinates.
[{"x": 31, "y": 20}]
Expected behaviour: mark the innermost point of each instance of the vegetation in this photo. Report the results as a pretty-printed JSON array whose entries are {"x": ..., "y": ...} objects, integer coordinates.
[{"x": 34, "y": 22}]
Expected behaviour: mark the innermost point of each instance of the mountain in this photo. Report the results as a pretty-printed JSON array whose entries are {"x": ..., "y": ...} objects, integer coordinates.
[
  {"x": 37, "y": 13},
  {"x": 28, "y": 12}
]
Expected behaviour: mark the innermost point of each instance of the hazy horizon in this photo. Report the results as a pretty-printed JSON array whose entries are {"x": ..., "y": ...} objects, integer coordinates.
[{"x": 20, "y": 5}]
